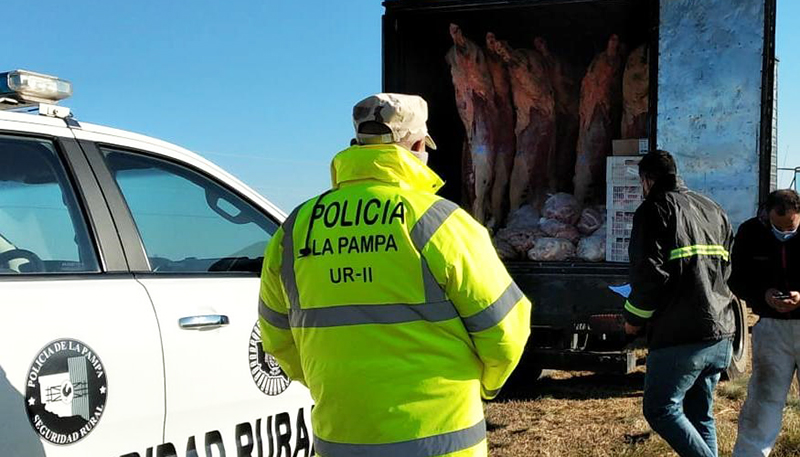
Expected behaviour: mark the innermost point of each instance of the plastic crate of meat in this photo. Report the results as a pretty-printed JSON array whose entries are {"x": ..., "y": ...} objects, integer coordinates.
[{"x": 624, "y": 195}]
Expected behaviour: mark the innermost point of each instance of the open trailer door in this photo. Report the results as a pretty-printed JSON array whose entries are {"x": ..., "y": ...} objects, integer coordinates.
[
  {"x": 722, "y": 143},
  {"x": 709, "y": 50}
]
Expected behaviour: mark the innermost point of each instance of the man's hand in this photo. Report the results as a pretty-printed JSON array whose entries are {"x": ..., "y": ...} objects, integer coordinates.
[
  {"x": 782, "y": 305},
  {"x": 632, "y": 329}
]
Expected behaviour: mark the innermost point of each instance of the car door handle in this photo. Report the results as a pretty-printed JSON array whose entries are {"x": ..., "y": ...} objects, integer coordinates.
[{"x": 205, "y": 322}]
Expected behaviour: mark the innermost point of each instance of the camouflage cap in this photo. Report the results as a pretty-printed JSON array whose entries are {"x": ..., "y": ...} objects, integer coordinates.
[{"x": 402, "y": 114}]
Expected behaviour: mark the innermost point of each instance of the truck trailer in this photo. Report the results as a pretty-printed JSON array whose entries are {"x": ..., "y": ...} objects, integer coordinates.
[{"x": 710, "y": 103}]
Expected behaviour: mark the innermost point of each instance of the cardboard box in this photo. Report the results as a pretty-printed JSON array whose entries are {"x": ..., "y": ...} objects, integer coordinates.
[{"x": 632, "y": 147}]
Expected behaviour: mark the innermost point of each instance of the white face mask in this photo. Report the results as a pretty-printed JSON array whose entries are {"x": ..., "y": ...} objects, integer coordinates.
[
  {"x": 783, "y": 236},
  {"x": 421, "y": 155}
]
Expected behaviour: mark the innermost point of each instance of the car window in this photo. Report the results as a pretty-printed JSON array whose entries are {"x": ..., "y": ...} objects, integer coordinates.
[
  {"x": 42, "y": 229},
  {"x": 189, "y": 223}
]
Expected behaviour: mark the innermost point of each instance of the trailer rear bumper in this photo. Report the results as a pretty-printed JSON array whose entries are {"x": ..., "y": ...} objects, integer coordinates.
[{"x": 621, "y": 362}]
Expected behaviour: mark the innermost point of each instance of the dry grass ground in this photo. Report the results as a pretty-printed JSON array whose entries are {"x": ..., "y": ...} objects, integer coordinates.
[{"x": 585, "y": 414}]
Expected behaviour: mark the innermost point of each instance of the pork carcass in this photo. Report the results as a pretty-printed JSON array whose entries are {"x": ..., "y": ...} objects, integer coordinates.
[
  {"x": 635, "y": 94},
  {"x": 535, "y": 130},
  {"x": 566, "y": 80},
  {"x": 474, "y": 92},
  {"x": 503, "y": 135},
  {"x": 599, "y": 120}
]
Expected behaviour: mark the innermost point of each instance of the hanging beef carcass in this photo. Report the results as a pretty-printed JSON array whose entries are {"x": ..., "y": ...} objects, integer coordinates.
[
  {"x": 535, "y": 129},
  {"x": 467, "y": 177},
  {"x": 566, "y": 80},
  {"x": 475, "y": 100},
  {"x": 635, "y": 94},
  {"x": 502, "y": 135},
  {"x": 599, "y": 119}
]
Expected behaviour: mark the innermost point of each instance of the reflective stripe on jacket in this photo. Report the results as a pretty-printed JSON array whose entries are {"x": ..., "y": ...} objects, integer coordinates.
[
  {"x": 680, "y": 264},
  {"x": 392, "y": 306}
]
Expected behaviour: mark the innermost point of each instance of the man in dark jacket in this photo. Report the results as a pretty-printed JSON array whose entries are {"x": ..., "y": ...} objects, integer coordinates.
[
  {"x": 766, "y": 274},
  {"x": 679, "y": 272}
]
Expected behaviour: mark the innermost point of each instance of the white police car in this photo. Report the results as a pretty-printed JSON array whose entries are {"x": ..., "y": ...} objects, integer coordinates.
[{"x": 129, "y": 288}]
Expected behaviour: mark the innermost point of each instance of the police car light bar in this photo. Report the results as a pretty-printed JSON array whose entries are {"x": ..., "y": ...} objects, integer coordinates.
[{"x": 26, "y": 87}]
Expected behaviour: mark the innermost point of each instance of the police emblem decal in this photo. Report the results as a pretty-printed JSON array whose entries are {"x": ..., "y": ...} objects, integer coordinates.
[
  {"x": 66, "y": 391},
  {"x": 267, "y": 374}
]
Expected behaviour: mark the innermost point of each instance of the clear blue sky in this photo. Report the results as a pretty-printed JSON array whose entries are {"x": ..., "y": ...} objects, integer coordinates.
[
  {"x": 264, "y": 88},
  {"x": 788, "y": 51}
]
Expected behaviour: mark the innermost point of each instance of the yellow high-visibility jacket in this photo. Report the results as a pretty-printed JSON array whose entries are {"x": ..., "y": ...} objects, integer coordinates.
[{"x": 392, "y": 306}]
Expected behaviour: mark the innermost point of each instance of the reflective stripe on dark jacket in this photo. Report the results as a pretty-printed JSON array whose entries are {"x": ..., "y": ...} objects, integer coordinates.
[
  {"x": 680, "y": 264},
  {"x": 761, "y": 262}
]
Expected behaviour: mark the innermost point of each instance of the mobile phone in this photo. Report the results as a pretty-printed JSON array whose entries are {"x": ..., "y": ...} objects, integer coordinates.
[{"x": 782, "y": 295}]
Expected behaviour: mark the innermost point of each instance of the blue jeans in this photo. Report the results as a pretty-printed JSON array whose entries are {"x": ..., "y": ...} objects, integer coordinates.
[{"x": 679, "y": 394}]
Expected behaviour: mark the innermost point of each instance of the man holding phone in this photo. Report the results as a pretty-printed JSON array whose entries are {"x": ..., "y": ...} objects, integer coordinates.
[{"x": 766, "y": 274}]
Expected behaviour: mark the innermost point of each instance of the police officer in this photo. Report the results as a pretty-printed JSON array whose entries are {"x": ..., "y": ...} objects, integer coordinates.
[{"x": 389, "y": 302}]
